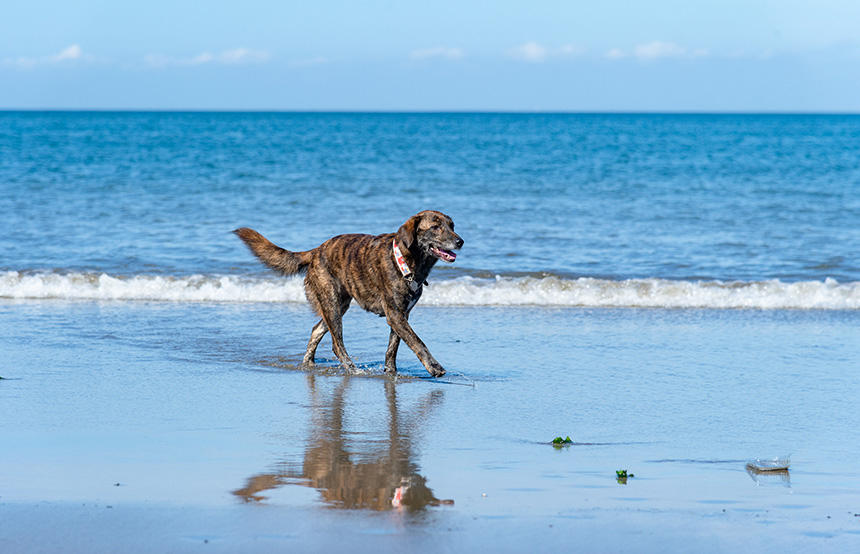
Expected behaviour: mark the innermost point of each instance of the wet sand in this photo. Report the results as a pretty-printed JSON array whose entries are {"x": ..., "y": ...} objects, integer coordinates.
[{"x": 183, "y": 427}]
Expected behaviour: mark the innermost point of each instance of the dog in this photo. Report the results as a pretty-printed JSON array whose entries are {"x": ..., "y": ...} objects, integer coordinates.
[{"x": 384, "y": 274}]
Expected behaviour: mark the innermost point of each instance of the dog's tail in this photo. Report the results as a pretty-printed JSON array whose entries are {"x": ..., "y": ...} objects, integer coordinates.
[{"x": 288, "y": 263}]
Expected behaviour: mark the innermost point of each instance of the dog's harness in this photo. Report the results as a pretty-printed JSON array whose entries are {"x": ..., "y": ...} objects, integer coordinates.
[{"x": 414, "y": 286}]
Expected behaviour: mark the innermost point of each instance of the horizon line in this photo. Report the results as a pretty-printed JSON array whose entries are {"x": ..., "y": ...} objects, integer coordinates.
[{"x": 431, "y": 111}]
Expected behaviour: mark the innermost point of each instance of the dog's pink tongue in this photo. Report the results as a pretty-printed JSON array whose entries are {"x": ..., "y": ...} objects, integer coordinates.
[{"x": 446, "y": 255}]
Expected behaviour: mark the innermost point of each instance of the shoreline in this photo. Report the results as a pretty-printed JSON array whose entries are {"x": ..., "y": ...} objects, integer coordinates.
[{"x": 52, "y": 527}]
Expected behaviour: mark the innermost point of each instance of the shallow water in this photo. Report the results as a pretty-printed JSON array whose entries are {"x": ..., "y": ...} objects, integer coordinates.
[{"x": 135, "y": 404}]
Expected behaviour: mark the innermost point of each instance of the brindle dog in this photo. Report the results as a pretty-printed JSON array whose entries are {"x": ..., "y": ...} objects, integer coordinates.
[{"x": 365, "y": 268}]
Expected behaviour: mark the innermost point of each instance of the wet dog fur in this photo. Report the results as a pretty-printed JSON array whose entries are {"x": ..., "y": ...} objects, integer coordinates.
[{"x": 362, "y": 268}]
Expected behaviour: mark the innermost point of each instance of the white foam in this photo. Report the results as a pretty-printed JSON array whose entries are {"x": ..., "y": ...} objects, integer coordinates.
[
  {"x": 645, "y": 293},
  {"x": 463, "y": 291},
  {"x": 195, "y": 288}
]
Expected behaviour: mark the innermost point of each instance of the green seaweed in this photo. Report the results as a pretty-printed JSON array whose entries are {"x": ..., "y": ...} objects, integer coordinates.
[
  {"x": 558, "y": 441},
  {"x": 621, "y": 476}
]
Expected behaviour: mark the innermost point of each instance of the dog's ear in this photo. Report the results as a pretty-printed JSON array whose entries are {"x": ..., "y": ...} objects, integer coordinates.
[{"x": 406, "y": 233}]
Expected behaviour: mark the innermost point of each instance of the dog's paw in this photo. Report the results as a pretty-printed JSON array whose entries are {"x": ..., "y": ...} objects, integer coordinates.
[
  {"x": 390, "y": 368},
  {"x": 436, "y": 370}
]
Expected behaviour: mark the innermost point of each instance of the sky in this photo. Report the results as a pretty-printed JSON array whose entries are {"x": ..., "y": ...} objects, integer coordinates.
[{"x": 608, "y": 55}]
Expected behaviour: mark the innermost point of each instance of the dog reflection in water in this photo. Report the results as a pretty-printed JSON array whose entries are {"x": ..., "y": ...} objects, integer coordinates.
[{"x": 375, "y": 475}]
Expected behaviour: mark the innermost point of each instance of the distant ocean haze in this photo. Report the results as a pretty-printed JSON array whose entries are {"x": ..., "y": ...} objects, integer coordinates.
[{"x": 556, "y": 209}]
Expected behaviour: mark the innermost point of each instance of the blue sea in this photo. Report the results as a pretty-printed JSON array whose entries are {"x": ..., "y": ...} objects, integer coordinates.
[
  {"x": 714, "y": 211},
  {"x": 679, "y": 294}
]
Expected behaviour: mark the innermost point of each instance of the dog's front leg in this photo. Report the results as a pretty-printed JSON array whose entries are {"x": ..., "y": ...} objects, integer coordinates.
[
  {"x": 391, "y": 353},
  {"x": 399, "y": 324}
]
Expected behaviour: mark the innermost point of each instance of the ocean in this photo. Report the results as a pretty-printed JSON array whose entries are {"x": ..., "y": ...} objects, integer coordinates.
[
  {"x": 711, "y": 211},
  {"x": 680, "y": 294}
]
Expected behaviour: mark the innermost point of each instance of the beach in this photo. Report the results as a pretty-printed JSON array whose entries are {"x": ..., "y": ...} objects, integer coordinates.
[{"x": 147, "y": 427}]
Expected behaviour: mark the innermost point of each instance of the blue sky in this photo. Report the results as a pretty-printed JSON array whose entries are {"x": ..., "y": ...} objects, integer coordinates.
[{"x": 658, "y": 55}]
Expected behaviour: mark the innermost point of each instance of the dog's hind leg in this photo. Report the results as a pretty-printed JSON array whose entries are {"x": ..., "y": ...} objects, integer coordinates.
[
  {"x": 330, "y": 301},
  {"x": 332, "y": 314},
  {"x": 317, "y": 334},
  {"x": 336, "y": 328}
]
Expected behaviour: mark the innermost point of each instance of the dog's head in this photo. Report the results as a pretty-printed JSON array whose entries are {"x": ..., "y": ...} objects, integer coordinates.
[{"x": 432, "y": 233}]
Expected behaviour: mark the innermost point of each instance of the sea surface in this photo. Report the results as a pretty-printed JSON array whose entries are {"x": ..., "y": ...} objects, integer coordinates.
[
  {"x": 679, "y": 294},
  {"x": 758, "y": 211}
]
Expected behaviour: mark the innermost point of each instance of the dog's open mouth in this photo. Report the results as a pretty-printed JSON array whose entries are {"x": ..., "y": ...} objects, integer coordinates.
[{"x": 442, "y": 254}]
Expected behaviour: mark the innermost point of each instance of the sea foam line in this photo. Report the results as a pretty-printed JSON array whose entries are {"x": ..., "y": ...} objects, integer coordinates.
[{"x": 462, "y": 291}]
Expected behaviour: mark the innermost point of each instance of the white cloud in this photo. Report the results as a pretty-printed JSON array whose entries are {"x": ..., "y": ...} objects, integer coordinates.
[
  {"x": 530, "y": 52},
  {"x": 655, "y": 50},
  {"x": 73, "y": 52},
  {"x": 243, "y": 55},
  {"x": 659, "y": 49},
  {"x": 438, "y": 52},
  {"x": 203, "y": 57},
  {"x": 23, "y": 62},
  {"x": 69, "y": 54},
  {"x": 235, "y": 56},
  {"x": 534, "y": 52},
  {"x": 571, "y": 50}
]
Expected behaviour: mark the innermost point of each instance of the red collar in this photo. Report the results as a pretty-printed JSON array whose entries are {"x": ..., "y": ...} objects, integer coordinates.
[
  {"x": 414, "y": 286},
  {"x": 398, "y": 259}
]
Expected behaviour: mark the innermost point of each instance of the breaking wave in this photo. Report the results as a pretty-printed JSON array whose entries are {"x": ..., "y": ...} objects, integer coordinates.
[{"x": 538, "y": 290}]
